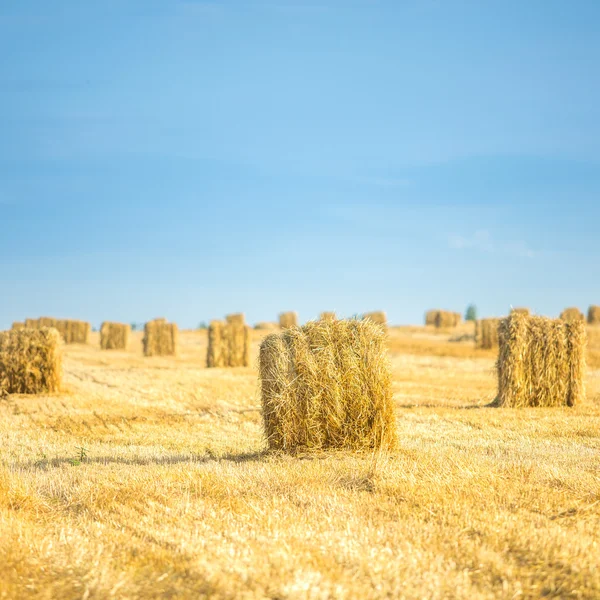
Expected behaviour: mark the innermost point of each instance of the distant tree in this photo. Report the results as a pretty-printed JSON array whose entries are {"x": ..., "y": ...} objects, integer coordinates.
[
  {"x": 471, "y": 314},
  {"x": 133, "y": 326},
  {"x": 202, "y": 325}
]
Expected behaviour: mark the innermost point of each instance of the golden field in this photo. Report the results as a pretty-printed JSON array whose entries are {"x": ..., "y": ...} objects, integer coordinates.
[{"x": 148, "y": 478}]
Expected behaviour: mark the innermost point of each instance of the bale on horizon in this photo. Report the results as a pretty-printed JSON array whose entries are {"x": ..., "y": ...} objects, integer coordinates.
[
  {"x": 430, "y": 316},
  {"x": 18, "y": 325},
  {"x": 72, "y": 331},
  {"x": 266, "y": 326},
  {"x": 378, "y": 316},
  {"x": 593, "y": 317},
  {"x": 541, "y": 361},
  {"x": 520, "y": 311},
  {"x": 228, "y": 345},
  {"x": 236, "y": 319},
  {"x": 486, "y": 333},
  {"x": 114, "y": 336},
  {"x": 327, "y": 384},
  {"x": 327, "y": 315},
  {"x": 160, "y": 339},
  {"x": 572, "y": 314},
  {"x": 288, "y": 319},
  {"x": 30, "y": 361},
  {"x": 445, "y": 319}
]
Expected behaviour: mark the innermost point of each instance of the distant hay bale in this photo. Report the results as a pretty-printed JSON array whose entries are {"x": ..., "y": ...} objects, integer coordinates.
[
  {"x": 593, "y": 317},
  {"x": 72, "y": 331},
  {"x": 160, "y": 339},
  {"x": 327, "y": 316},
  {"x": 288, "y": 319},
  {"x": 327, "y": 385},
  {"x": 520, "y": 311},
  {"x": 266, "y": 326},
  {"x": 30, "y": 361},
  {"x": 228, "y": 345},
  {"x": 18, "y": 325},
  {"x": 457, "y": 318},
  {"x": 445, "y": 319},
  {"x": 486, "y": 333},
  {"x": 114, "y": 336},
  {"x": 430, "y": 316},
  {"x": 541, "y": 361},
  {"x": 572, "y": 314},
  {"x": 46, "y": 322},
  {"x": 32, "y": 323},
  {"x": 236, "y": 319},
  {"x": 379, "y": 317}
]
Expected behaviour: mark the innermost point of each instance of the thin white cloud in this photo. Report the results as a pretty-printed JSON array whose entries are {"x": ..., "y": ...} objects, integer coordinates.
[{"x": 482, "y": 241}]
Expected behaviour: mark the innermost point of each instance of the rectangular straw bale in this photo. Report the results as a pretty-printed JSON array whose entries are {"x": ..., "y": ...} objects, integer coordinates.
[
  {"x": 236, "y": 319},
  {"x": 593, "y": 317},
  {"x": 430, "y": 316},
  {"x": 114, "y": 336},
  {"x": 18, "y": 325},
  {"x": 486, "y": 333},
  {"x": 46, "y": 322},
  {"x": 327, "y": 316},
  {"x": 32, "y": 323},
  {"x": 228, "y": 345},
  {"x": 75, "y": 332},
  {"x": 379, "y": 317},
  {"x": 288, "y": 319},
  {"x": 327, "y": 385},
  {"x": 445, "y": 319},
  {"x": 520, "y": 311},
  {"x": 30, "y": 361},
  {"x": 160, "y": 339},
  {"x": 541, "y": 361},
  {"x": 457, "y": 318},
  {"x": 572, "y": 314}
]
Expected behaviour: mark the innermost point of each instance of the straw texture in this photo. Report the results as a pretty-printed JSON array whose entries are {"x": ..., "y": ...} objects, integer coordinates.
[
  {"x": 327, "y": 385},
  {"x": 378, "y": 317},
  {"x": 541, "y": 361},
  {"x": 114, "y": 336},
  {"x": 160, "y": 339},
  {"x": 288, "y": 319},
  {"x": 30, "y": 361},
  {"x": 572, "y": 314},
  {"x": 236, "y": 319},
  {"x": 228, "y": 345}
]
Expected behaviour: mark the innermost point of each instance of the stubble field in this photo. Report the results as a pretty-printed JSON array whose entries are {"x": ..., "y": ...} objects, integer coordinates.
[{"x": 148, "y": 478}]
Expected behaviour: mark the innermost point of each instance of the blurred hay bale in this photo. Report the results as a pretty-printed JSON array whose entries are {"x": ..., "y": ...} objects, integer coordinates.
[
  {"x": 430, "y": 316},
  {"x": 327, "y": 385},
  {"x": 457, "y": 318},
  {"x": 266, "y": 326},
  {"x": 445, "y": 319},
  {"x": 327, "y": 316},
  {"x": 572, "y": 314},
  {"x": 30, "y": 361},
  {"x": 236, "y": 319},
  {"x": 32, "y": 323},
  {"x": 379, "y": 317},
  {"x": 228, "y": 345},
  {"x": 160, "y": 339},
  {"x": 46, "y": 322},
  {"x": 593, "y": 317},
  {"x": 18, "y": 325},
  {"x": 288, "y": 319},
  {"x": 486, "y": 333},
  {"x": 541, "y": 361},
  {"x": 114, "y": 336},
  {"x": 75, "y": 332},
  {"x": 520, "y": 311}
]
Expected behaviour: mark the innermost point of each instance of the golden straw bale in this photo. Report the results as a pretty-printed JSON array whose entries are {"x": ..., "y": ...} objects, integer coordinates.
[
  {"x": 75, "y": 332},
  {"x": 46, "y": 322},
  {"x": 30, "y": 361},
  {"x": 32, "y": 323},
  {"x": 457, "y": 318},
  {"x": 572, "y": 314},
  {"x": 327, "y": 385},
  {"x": 288, "y": 319},
  {"x": 228, "y": 345},
  {"x": 486, "y": 333},
  {"x": 445, "y": 319},
  {"x": 18, "y": 325},
  {"x": 160, "y": 339},
  {"x": 541, "y": 361},
  {"x": 379, "y": 317},
  {"x": 430, "y": 316},
  {"x": 327, "y": 316},
  {"x": 114, "y": 336},
  {"x": 266, "y": 326},
  {"x": 520, "y": 311},
  {"x": 236, "y": 319},
  {"x": 593, "y": 317}
]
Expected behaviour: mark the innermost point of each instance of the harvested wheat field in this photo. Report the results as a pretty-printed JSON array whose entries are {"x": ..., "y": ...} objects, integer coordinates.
[{"x": 148, "y": 477}]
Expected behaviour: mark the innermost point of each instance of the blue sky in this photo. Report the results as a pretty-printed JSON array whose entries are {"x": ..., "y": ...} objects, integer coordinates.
[{"x": 188, "y": 159}]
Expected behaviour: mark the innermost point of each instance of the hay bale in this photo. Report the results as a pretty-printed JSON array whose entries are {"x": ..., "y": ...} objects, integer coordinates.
[
  {"x": 520, "y": 311},
  {"x": 114, "y": 336},
  {"x": 30, "y": 361},
  {"x": 32, "y": 323},
  {"x": 430, "y": 316},
  {"x": 236, "y": 319},
  {"x": 18, "y": 325},
  {"x": 379, "y": 317},
  {"x": 457, "y": 318},
  {"x": 486, "y": 333},
  {"x": 541, "y": 361},
  {"x": 228, "y": 345},
  {"x": 266, "y": 326},
  {"x": 593, "y": 317},
  {"x": 75, "y": 332},
  {"x": 572, "y": 314},
  {"x": 288, "y": 319},
  {"x": 445, "y": 319},
  {"x": 327, "y": 385},
  {"x": 327, "y": 316},
  {"x": 160, "y": 339}
]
